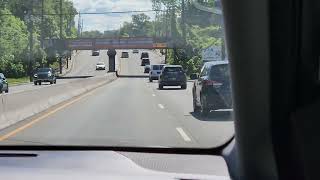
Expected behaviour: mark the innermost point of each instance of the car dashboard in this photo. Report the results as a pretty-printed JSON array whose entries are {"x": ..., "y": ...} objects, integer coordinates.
[{"x": 109, "y": 165}]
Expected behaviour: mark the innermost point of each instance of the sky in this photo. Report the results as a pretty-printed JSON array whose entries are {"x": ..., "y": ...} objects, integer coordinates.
[{"x": 109, "y": 21}]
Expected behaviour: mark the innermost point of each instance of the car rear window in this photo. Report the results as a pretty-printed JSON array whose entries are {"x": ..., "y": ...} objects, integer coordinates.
[
  {"x": 173, "y": 69},
  {"x": 44, "y": 70},
  {"x": 220, "y": 72},
  {"x": 155, "y": 67}
]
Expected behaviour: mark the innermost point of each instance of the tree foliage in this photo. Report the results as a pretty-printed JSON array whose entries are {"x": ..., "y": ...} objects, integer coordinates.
[{"x": 15, "y": 21}]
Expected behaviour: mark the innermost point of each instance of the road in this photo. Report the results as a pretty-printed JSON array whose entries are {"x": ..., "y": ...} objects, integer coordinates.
[
  {"x": 83, "y": 65},
  {"x": 127, "y": 112}
]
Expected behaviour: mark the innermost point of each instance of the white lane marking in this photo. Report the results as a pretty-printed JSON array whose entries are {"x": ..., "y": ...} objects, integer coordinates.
[
  {"x": 161, "y": 106},
  {"x": 153, "y": 95},
  {"x": 183, "y": 134}
]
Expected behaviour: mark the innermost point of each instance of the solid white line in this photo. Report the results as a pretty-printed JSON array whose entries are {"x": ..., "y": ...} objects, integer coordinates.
[
  {"x": 183, "y": 134},
  {"x": 161, "y": 106}
]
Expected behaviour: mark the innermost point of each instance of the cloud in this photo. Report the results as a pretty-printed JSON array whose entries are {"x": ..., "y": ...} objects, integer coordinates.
[{"x": 102, "y": 22}]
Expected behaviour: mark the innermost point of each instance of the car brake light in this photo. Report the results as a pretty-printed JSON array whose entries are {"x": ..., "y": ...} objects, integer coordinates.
[{"x": 211, "y": 83}]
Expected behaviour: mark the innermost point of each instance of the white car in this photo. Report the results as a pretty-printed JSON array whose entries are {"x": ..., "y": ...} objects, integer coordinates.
[
  {"x": 100, "y": 66},
  {"x": 155, "y": 71}
]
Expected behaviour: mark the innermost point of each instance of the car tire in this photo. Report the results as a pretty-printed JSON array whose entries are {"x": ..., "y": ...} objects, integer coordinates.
[
  {"x": 55, "y": 82},
  {"x": 39, "y": 83},
  {"x": 160, "y": 86},
  {"x": 35, "y": 83},
  {"x": 51, "y": 82},
  {"x": 184, "y": 86},
  {"x": 196, "y": 108},
  {"x": 6, "y": 91},
  {"x": 204, "y": 107},
  {"x": 150, "y": 80}
]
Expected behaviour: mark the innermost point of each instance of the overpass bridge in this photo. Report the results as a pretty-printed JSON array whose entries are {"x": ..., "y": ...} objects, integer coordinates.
[{"x": 118, "y": 43}]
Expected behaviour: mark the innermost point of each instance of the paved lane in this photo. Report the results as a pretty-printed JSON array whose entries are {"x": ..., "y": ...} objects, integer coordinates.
[
  {"x": 130, "y": 112},
  {"x": 84, "y": 65}
]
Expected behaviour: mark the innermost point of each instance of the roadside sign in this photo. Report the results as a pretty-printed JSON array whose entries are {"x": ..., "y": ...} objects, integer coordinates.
[
  {"x": 213, "y": 53},
  {"x": 160, "y": 45}
]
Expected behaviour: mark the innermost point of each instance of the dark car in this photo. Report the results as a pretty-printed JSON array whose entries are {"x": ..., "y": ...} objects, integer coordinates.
[
  {"x": 44, "y": 75},
  {"x": 135, "y": 51},
  {"x": 145, "y": 61},
  {"x": 95, "y": 53},
  {"x": 147, "y": 69},
  {"x": 124, "y": 55},
  {"x": 173, "y": 75},
  {"x": 4, "y": 86},
  {"x": 144, "y": 55},
  {"x": 211, "y": 91}
]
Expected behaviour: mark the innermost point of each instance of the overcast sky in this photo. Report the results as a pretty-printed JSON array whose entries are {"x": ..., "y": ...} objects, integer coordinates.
[{"x": 109, "y": 21}]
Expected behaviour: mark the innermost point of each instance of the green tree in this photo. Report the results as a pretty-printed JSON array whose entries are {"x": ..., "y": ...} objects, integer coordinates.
[{"x": 13, "y": 42}]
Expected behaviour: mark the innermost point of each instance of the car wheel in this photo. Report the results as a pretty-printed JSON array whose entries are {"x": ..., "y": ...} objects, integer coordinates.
[
  {"x": 204, "y": 107},
  {"x": 184, "y": 86},
  {"x": 150, "y": 80},
  {"x": 160, "y": 86},
  {"x": 35, "y": 83},
  {"x": 196, "y": 108},
  {"x": 51, "y": 82},
  {"x": 55, "y": 81},
  {"x": 6, "y": 91},
  {"x": 39, "y": 83}
]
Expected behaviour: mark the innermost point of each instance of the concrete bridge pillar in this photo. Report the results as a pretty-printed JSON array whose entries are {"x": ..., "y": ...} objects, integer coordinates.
[{"x": 112, "y": 60}]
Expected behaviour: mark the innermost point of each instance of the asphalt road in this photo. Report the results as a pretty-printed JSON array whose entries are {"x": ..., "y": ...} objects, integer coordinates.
[
  {"x": 127, "y": 112},
  {"x": 84, "y": 65}
]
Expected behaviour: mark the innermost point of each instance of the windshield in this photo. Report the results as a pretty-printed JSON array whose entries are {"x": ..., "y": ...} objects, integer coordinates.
[
  {"x": 44, "y": 70},
  {"x": 101, "y": 91}
]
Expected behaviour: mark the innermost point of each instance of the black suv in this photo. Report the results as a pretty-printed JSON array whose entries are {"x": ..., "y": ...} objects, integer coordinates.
[
  {"x": 173, "y": 75},
  {"x": 145, "y": 61},
  {"x": 144, "y": 55},
  {"x": 3, "y": 84},
  {"x": 44, "y": 75},
  {"x": 211, "y": 91}
]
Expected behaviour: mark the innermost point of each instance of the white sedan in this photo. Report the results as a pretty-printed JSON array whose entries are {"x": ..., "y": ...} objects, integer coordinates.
[{"x": 100, "y": 66}]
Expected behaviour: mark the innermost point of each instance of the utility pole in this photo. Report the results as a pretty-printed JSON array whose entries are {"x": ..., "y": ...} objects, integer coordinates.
[
  {"x": 183, "y": 20},
  {"x": 61, "y": 34},
  {"x": 30, "y": 57},
  {"x": 42, "y": 26}
]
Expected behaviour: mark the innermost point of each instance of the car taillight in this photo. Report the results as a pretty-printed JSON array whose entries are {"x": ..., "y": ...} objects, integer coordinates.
[{"x": 212, "y": 83}]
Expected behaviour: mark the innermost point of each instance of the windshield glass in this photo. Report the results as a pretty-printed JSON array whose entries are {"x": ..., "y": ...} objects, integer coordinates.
[
  {"x": 101, "y": 91},
  {"x": 43, "y": 70}
]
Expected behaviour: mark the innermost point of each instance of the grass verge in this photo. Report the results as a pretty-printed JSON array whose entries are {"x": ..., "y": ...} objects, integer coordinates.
[{"x": 17, "y": 81}]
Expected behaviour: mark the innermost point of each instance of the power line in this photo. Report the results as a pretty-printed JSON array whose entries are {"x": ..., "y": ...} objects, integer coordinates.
[{"x": 91, "y": 13}]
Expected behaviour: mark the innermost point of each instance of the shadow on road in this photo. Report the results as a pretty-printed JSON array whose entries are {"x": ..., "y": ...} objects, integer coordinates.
[
  {"x": 133, "y": 76},
  {"x": 170, "y": 89},
  {"x": 73, "y": 77},
  {"x": 214, "y": 116}
]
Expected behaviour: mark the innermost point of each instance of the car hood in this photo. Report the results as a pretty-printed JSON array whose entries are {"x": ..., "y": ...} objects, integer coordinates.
[{"x": 83, "y": 165}]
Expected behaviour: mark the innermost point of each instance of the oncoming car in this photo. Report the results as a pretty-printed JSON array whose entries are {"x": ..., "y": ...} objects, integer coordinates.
[
  {"x": 4, "y": 86},
  {"x": 100, "y": 66},
  {"x": 44, "y": 75}
]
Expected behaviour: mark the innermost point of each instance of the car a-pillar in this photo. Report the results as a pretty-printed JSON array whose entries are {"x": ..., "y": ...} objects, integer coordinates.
[{"x": 112, "y": 60}]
